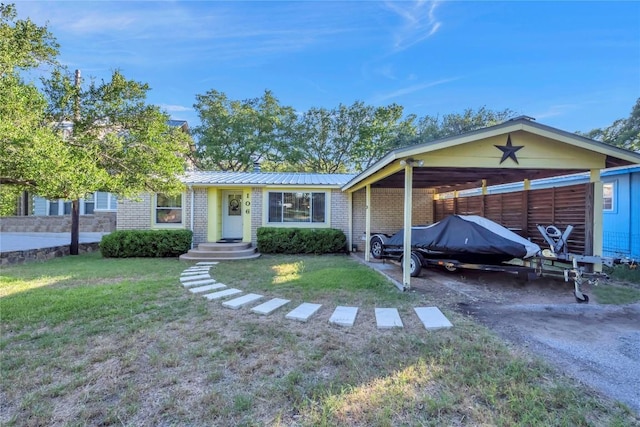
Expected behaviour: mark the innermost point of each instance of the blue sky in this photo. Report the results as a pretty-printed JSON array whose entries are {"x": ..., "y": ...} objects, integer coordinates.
[{"x": 572, "y": 65}]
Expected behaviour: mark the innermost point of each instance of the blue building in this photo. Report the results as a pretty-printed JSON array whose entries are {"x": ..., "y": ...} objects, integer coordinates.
[{"x": 621, "y": 211}]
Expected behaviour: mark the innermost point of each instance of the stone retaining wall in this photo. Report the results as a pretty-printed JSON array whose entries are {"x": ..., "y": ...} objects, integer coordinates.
[
  {"x": 19, "y": 257},
  {"x": 99, "y": 222}
]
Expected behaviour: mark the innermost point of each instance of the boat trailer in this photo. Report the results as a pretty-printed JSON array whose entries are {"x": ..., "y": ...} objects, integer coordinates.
[
  {"x": 558, "y": 251},
  {"x": 572, "y": 266}
]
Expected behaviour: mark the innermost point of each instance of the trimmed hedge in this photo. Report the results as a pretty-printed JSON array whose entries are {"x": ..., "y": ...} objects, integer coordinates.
[
  {"x": 272, "y": 240},
  {"x": 146, "y": 243}
]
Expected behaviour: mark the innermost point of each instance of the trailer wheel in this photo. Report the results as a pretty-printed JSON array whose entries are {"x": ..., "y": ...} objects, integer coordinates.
[
  {"x": 376, "y": 247},
  {"x": 415, "y": 265},
  {"x": 581, "y": 300}
]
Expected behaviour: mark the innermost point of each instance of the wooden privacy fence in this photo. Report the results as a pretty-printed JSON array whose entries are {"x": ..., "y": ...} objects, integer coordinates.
[{"x": 522, "y": 211}]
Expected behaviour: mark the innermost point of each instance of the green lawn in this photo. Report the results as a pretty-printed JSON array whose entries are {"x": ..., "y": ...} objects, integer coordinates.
[{"x": 93, "y": 341}]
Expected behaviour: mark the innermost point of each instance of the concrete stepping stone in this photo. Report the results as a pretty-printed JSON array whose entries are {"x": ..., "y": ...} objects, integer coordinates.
[
  {"x": 198, "y": 283},
  {"x": 432, "y": 317},
  {"x": 344, "y": 316},
  {"x": 193, "y": 273},
  {"x": 207, "y": 263},
  {"x": 387, "y": 318},
  {"x": 270, "y": 306},
  {"x": 207, "y": 288},
  {"x": 236, "y": 303},
  {"x": 303, "y": 312},
  {"x": 197, "y": 277},
  {"x": 223, "y": 294}
]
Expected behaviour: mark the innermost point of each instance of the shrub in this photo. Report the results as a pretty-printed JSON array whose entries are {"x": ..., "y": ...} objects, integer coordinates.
[
  {"x": 146, "y": 243},
  {"x": 273, "y": 240}
]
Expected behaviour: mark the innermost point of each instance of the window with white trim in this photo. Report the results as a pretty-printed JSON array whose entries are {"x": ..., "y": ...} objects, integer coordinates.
[
  {"x": 59, "y": 207},
  {"x": 89, "y": 204},
  {"x": 608, "y": 196},
  {"x": 105, "y": 201},
  {"x": 297, "y": 207},
  {"x": 168, "y": 209}
]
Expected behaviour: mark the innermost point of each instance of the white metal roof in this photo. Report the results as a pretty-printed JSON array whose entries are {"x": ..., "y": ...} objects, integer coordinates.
[{"x": 219, "y": 178}]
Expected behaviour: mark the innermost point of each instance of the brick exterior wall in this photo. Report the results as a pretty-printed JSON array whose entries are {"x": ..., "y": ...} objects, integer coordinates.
[
  {"x": 256, "y": 213},
  {"x": 340, "y": 211},
  {"x": 387, "y": 211},
  {"x": 200, "y": 214},
  {"x": 135, "y": 214},
  {"x": 99, "y": 222}
]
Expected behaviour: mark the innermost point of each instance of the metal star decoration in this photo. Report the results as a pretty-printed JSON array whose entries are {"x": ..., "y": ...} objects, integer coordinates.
[{"x": 509, "y": 151}]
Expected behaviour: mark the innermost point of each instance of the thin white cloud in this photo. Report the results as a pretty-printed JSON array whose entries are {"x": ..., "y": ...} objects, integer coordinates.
[
  {"x": 419, "y": 22},
  {"x": 130, "y": 33},
  {"x": 175, "y": 108},
  {"x": 412, "y": 89}
]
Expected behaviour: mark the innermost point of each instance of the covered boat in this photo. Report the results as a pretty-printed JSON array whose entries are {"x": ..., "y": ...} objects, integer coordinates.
[{"x": 466, "y": 238}]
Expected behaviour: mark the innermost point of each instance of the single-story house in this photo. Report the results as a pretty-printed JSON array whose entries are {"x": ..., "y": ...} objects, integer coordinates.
[{"x": 414, "y": 185}]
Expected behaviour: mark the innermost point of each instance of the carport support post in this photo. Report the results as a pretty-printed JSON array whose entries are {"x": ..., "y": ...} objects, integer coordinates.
[
  {"x": 408, "y": 197},
  {"x": 367, "y": 224}
]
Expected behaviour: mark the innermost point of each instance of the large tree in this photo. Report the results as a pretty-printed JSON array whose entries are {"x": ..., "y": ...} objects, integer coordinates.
[
  {"x": 115, "y": 140},
  {"x": 623, "y": 133},
  {"x": 27, "y": 148},
  {"x": 234, "y": 135},
  {"x": 73, "y": 138},
  {"x": 350, "y": 138}
]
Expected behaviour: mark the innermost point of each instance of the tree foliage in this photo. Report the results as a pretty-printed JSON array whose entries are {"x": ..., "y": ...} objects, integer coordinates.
[
  {"x": 117, "y": 141},
  {"x": 623, "y": 133},
  {"x": 69, "y": 139},
  {"x": 350, "y": 138},
  {"x": 234, "y": 135},
  {"x": 23, "y": 44},
  {"x": 25, "y": 144},
  {"x": 431, "y": 128}
]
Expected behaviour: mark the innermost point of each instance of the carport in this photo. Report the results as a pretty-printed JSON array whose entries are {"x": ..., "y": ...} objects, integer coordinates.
[{"x": 516, "y": 151}]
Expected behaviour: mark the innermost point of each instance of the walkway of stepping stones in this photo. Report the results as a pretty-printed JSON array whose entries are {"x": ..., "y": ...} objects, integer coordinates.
[{"x": 198, "y": 281}]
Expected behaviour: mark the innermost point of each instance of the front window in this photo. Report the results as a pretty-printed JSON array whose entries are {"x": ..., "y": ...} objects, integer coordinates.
[
  {"x": 297, "y": 207},
  {"x": 607, "y": 197},
  {"x": 168, "y": 209},
  {"x": 89, "y": 204},
  {"x": 106, "y": 201},
  {"x": 54, "y": 207}
]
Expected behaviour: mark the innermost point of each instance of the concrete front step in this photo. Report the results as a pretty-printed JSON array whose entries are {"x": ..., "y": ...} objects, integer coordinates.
[
  {"x": 221, "y": 252},
  {"x": 205, "y": 256},
  {"x": 224, "y": 247}
]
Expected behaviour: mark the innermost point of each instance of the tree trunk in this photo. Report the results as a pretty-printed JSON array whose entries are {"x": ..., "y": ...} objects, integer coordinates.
[{"x": 75, "y": 227}]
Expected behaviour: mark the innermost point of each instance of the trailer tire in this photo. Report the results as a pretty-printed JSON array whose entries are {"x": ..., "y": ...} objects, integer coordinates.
[
  {"x": 376, "y": 247},
  {"x": 415, "y": 264},
  {"x": 580, "y": 300}
]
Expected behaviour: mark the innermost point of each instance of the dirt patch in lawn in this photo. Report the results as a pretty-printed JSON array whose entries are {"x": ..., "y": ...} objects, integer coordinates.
[{"x": 597, "y": 344}]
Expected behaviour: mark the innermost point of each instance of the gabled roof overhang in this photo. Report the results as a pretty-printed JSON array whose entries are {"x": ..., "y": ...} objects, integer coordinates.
[{"x": 474, "y": 158}]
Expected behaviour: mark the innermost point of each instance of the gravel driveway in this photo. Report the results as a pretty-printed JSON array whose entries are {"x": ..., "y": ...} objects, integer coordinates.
[{"x": 597, "y": 344}]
